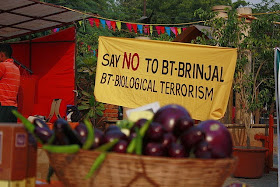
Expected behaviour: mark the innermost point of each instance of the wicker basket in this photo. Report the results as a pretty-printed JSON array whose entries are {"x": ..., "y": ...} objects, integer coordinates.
[{"x": 132, "y": 170}]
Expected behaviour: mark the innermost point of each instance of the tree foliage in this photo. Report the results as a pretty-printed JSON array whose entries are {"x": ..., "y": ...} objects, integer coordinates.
[{"x": 255, "y": 42}]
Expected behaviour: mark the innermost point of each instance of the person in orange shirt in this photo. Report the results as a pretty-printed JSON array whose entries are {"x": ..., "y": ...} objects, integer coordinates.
[{"x": 9, "y": 84}]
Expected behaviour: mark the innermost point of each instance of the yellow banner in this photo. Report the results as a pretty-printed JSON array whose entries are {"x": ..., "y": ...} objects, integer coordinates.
[{"x": 133, "y": 72}]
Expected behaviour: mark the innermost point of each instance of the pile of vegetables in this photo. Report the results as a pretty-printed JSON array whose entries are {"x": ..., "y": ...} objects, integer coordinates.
[{"x": 170, "y": 133}]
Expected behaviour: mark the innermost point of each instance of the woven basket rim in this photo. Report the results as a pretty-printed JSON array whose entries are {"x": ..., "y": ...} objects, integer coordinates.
[
  {"x": 155, "y": 158},
  {"x": 119, "y": 169}
]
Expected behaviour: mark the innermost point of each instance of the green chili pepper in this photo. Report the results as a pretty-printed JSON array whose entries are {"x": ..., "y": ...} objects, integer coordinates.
[
  {"x": 97, "y": 163},
  {"x": 99, "y": 160},
  {"x": 130, "y": 124},
  {"x": 144, "y": 128},
  {"x": 74, "y": 148},
  {"x": 132, "y": 145},
  {"x": 107, "y": 146},
  {"x": 90, "y": 137},
  {"x": 139, "y": 139},
  {"x": 29, "y": 126}
]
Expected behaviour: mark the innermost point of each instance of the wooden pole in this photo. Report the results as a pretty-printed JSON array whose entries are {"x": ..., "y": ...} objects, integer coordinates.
[{"x": 144, "y": 7}]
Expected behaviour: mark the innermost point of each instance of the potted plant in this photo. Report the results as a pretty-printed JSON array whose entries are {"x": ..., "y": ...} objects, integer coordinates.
[{"x": 253, "y": 80}]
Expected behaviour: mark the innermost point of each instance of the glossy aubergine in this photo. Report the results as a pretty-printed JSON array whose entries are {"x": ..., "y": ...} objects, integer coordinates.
[
  {"x": 64, "y": 133},
  {"x": 82, "y": 131},
  {"x": 44, "y": 134},
  {"x": 42, "y": 131},
  {"x": 40, "y": 123}
]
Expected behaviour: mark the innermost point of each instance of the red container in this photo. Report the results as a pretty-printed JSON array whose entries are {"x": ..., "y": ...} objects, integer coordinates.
[{"x": 251, "y": 161}]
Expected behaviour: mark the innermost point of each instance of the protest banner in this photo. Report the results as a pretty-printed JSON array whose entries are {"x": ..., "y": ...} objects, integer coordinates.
[{"x": 133, "y": 73}]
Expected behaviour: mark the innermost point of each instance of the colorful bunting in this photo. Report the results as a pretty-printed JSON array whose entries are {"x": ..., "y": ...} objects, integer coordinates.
[
  {"x": 162, "y": 29},
  {"x": 140, "y": 28},
  {"x": 147, "y": 29},
  {"x": 167, "y": 30},
  {"x": 90, "y": 21},
  {"x": 55, "y": 30},
  {"x": 179, "y": 30},
  {"x": 134, "y": 26},
  {"x": 128, "y": 25},
  {"x": 113, "y": 24},
  {"x": 158, "y": 29},
  {"x": 102, "y": 21},
  {"x": 174, "y": 30},
  {"x": 97, "y": 22},
  {"x": 119, "y": 25},
  {"x": 108, "y": 24}
]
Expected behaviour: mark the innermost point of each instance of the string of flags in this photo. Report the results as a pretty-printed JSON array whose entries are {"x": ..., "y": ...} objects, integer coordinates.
[
  {"x": 118, "y": 25},
  {"x": 133, "y": 27}
]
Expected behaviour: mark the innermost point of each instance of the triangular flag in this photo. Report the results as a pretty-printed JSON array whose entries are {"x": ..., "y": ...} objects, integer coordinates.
[
  {"x": 151, "y": 29},
  {"x": 113, "y": 24},
  {"x": 158, "y": 29},
  {"x": 179, "y": 30},
  {"x": 134, "y": 26},
  {"x": 128, "y": 26},
  {"x": 89, "y": 47},
  {"x": 140, "y": 28},
  {"x": 167, "y": 30},
  {"x": 146, "y": 29},
  {"x": 108, "y": 24},
  {"x": 94, "y": 52},
  {"x": 174, "y": 30},
  {"x": 80, "y": 22},
  {"x": 90, "y": 21},
  {"x": 97, "y": 22},
  {"x": 162, "y": 29},
  {"x": 102, "y": 21},
  {"x": 184, "y": 28},
  {"x": 55, "y": 30},
  {"x": 119, "y": 25}
]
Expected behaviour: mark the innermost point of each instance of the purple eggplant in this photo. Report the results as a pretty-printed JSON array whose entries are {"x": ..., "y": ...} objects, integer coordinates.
[
  {"x": 64, "y": 133},
  {"x": 40, "y": 123},
  {"x": 98, "y": 138},
  {"x": 42, "y": 131},
  {"x": 44, "y": 134},
  {"x": 81, "y": 130}
]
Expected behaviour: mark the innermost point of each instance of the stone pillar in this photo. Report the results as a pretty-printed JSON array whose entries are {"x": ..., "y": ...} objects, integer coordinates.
[{"x": 222, "y": 10}]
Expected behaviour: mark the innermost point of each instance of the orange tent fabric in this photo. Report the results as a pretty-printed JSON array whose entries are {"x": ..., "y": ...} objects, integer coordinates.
[{"x": 52, "y": 60}]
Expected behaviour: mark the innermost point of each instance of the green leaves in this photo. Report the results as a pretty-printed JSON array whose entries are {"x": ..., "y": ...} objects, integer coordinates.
[{"x": 91, "y": 107}]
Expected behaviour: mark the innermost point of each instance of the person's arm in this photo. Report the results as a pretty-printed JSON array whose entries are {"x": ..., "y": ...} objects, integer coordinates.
[{"x": 2, "y": 70}]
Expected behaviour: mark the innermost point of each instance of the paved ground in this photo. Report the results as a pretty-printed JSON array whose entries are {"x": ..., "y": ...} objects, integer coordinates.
[{"x": 268, "y": 180}]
